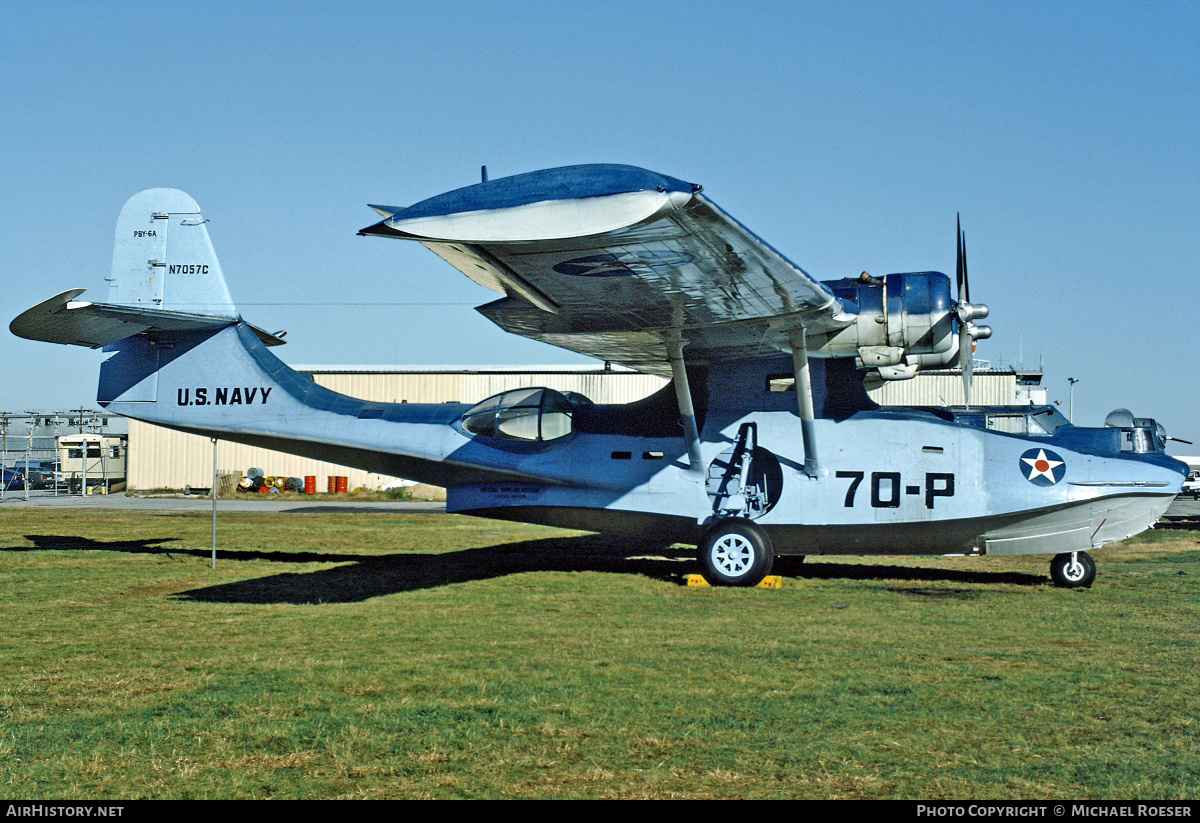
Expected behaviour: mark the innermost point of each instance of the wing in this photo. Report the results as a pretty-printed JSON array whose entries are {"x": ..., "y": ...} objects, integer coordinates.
[{"x": 614, "y": 261}]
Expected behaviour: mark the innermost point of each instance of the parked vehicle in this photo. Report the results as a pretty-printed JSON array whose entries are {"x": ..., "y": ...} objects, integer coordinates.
[
  {"x": 11, "y": 479},
  {"x": 36, "y": 476},
  {"x": 54, "y": 468},
  {"x": 1191, "y": 486}
]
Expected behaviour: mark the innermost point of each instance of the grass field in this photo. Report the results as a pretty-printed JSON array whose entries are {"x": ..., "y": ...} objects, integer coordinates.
[{"x": 426, "y": 655}]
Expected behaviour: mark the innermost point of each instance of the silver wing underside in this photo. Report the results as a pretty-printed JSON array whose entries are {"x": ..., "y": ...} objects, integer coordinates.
[{"x": 615, "y": 262}]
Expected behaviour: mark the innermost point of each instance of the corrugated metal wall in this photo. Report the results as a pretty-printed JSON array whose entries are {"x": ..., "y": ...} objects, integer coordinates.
[
  {"x": 160, "y": 458},
  {"x": 988, "y": 388}
]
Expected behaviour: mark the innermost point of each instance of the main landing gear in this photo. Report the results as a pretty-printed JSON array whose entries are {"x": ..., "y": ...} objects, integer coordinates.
[
  {"x": 735, "y": 552},
  {"x": 1073, "y": 570}
]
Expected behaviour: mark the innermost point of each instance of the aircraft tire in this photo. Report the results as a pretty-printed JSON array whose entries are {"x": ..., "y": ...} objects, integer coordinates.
[
  {"x": 1068, "y": 576},
  {"x": 735, "y": 552}
]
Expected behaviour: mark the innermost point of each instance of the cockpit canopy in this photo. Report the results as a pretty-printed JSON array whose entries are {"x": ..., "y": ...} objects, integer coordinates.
[
  {"x": 521, "y": 415},
  {"x": 1037, "y": 421}
]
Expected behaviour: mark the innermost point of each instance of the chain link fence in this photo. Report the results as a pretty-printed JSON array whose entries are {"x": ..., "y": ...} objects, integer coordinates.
[{"x": 60, "y": 452}]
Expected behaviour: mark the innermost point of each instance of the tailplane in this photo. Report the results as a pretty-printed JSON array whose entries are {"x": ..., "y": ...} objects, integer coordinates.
[{"x": 165, "y": 277}]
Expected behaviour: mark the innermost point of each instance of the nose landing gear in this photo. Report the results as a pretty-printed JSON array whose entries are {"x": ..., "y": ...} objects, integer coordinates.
[{"x": 1073, "y": 570}]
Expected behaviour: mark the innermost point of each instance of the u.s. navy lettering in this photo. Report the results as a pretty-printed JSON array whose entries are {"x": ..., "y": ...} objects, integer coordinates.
[{"x": 222, "y": 396}]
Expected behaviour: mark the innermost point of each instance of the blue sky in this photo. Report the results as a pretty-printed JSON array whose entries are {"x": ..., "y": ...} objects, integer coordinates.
[{"x": 845, "y": 134}]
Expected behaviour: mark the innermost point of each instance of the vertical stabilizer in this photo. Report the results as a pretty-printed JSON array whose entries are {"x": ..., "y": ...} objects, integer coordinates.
[{"x": 163, "y": 259}]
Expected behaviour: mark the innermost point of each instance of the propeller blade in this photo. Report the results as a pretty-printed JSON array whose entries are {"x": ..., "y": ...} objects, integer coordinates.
[
  {"x": 968, "y": 332},
  {"x": 966, "y": 285},
  {"x": 958, "y": 272}
]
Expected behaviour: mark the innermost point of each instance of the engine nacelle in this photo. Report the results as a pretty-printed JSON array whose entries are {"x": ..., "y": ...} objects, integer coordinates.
[{"x": 903, "y": 319}]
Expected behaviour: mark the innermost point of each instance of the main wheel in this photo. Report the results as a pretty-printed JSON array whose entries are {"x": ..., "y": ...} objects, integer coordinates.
[
  {"x": 1073, "y": 571},
  {"x": 735, "y": 552}
]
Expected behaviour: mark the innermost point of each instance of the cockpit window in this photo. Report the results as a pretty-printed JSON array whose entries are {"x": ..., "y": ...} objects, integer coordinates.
[
  {"x": 1039, "y": 422},
  {"x": 1046, "y": 421},
  {"x": 521, "y": 415},
  {"x": 1008, "y": 423}
]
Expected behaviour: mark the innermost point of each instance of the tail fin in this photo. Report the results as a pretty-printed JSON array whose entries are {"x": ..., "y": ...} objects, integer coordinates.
[
  {"x": 165, "y": 277},
  {"x": 163, "y": 259},
  {"x": 179, "y": 355}
]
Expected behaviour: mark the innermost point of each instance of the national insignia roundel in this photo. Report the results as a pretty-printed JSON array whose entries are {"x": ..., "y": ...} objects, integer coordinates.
[
  {"x": 623, "y": 264},
  {"x": 1042, "y": 467}
]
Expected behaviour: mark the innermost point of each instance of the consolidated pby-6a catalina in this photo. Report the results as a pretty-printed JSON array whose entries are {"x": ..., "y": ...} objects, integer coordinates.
[{"x": 765, "y": 441}]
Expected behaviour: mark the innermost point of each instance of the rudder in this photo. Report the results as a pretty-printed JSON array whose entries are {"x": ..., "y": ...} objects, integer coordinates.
[{"x": 163, "y": 258}]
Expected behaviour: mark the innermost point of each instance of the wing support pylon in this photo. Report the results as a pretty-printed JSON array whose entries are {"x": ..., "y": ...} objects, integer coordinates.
[
  {"x": 687, "y": 411},
  {"x": 804, "y": 400},
  {"x": 687, "y": 419}
]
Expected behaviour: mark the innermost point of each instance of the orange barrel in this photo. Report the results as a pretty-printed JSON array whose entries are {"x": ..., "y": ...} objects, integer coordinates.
[
  {"x": 332, "y": 481},
  {"x": 310, "y": 484},
  {"x": 342, "y": 482}
]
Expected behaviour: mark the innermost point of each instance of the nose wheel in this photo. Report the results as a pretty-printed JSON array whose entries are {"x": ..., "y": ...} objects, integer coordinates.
[
  {"x": 735, "y": 552},
  {"x": 1073, "y": 570}
]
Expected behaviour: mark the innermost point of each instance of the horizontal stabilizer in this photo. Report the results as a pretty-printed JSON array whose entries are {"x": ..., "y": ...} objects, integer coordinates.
[{"x": 62, "y": 319}]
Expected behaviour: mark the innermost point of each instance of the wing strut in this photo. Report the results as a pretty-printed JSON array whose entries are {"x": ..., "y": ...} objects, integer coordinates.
[
  {"x": 804, "y": 399},
  {"x": 687, "y": 412}
]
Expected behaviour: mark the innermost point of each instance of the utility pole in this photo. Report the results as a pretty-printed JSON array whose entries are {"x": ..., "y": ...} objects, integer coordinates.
[
  {"x": 4, "y": 480},
  {"x": 214, "y": 502}
]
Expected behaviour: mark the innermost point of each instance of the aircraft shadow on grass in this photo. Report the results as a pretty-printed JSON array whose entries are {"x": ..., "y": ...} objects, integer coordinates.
[{"x": 365, "y": 576}]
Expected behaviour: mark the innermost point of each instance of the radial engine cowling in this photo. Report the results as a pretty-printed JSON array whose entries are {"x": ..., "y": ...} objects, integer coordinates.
[{"x": 905, "y": 321}]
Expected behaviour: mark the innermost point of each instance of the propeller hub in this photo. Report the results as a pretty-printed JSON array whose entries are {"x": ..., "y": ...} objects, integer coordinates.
[{"x": 966, "y": 312}]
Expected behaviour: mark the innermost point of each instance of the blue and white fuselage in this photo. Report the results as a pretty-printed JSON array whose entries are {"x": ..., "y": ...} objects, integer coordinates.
[{"x": 935, "y": 482}]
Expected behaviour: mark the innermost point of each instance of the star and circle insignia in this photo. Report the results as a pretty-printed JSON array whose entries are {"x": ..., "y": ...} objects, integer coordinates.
[
  {"x": 1042, "y": 467},
  {"x": 623, "y": 263}
]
